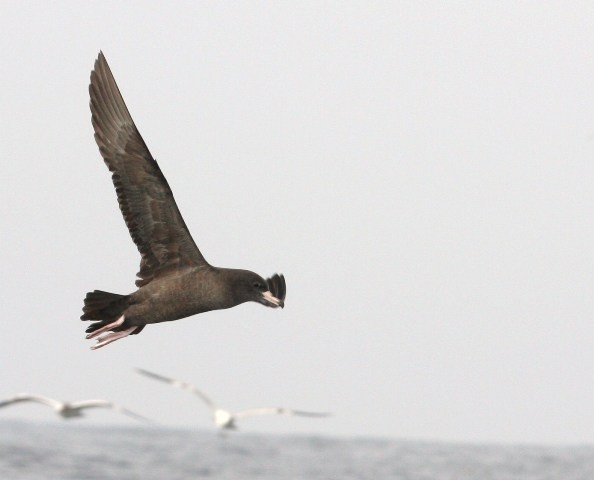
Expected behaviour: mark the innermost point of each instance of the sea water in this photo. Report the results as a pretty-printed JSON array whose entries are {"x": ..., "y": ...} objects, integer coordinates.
[{"x": 71, "y": 450}]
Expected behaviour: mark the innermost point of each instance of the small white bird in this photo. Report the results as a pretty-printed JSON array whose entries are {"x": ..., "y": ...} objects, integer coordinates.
[
  {"x": 224, "y": 419},
  {"x": 69, "y": 409}
]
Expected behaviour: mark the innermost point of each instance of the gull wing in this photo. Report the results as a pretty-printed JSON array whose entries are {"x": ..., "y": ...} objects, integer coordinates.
[
  {"x": 179, "y": 384},
  {"x": 86, "y": 404},
  {"x": 277, "y": 411},
  {"x": 146, "y": 201},
  {"x": 25, "y": 397}
]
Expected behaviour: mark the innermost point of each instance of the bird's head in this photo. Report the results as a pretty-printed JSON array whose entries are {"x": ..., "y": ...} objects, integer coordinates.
[{"x": 251, "y": 287}]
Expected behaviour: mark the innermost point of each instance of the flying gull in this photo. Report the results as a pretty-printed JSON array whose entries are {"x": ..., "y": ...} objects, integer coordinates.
[
  {"x": 69, "y": 409},
  {"x": 174, "y": 281},
  {"x": 224, "y": 419}
]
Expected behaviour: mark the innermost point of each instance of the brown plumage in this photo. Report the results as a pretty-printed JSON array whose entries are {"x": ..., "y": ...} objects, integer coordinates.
[{"x": 174, "y": 281}]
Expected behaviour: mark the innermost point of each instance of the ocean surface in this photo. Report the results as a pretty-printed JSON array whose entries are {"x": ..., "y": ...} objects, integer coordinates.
[{"x": 71, "y": 450}]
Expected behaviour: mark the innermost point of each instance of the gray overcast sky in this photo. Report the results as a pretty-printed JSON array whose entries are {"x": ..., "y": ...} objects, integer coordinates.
[{"x": 422, "y": 173}]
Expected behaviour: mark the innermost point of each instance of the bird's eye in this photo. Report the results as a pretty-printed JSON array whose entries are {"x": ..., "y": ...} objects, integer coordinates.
[{"x": 257, "y": 285}]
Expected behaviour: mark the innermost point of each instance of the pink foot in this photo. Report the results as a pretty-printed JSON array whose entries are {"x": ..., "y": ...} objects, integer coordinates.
[
  {"x": 112, "y": 325},
  {"x": 112, "y": 337}
]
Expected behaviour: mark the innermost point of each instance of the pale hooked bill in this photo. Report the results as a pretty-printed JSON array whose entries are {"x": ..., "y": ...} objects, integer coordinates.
[
  {"x": 70, "y": 409},
  {"x": 224, "y": 419}
]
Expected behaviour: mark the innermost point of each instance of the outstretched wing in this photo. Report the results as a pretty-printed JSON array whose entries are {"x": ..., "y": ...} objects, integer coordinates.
[
  {"x": 277, "y": 286},
  {"x": 179, "y": 384},
  {"x": 146, "y": 201},
  {"x": 277, "y": 411},
  {"x": 85, "y": 404},
  {"x": 25, "y": 397}
]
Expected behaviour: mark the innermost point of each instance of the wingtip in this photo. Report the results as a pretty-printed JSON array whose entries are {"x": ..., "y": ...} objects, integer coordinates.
[
  {"x": 142, "y": 371},
  {"x": 100, "y": 59}
]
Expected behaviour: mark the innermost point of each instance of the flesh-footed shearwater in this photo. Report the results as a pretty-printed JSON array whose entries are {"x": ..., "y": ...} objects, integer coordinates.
[
  {"x": 174, "y": 281},
  {"x": 69, "y": 409},
  {"x": 224, "y": 419}
]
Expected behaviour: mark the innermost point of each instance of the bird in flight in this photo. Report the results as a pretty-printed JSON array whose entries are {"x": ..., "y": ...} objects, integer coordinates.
[
  {"x": 69, "y": 409},
  {"x": 224, "y": 419},
  {"x": 174, "y": 281}
]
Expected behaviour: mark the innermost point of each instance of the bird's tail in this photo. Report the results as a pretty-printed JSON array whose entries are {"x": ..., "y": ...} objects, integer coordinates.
[{"x": 103, "y": 306}]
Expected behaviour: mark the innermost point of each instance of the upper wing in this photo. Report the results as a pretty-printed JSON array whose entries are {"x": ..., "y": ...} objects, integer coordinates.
[
  {"x": 277, "y": 411},
  {"x": 146, "y": 201},
  {"x": 131, "y": 414},
  {"x": 277, "y": 286},
  {"x": 84, "y": 404},
  {"x": 179, "y": 384},
  {"x": 25, "y": 397}
]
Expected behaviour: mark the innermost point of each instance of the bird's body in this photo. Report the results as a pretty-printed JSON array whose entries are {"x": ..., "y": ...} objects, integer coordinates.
[
  {"x": 190, "y": 292},
  {"x": 225, "y": 419},
  {"x": 68, "y": 409},
  {"x": 174, "y": 281}
]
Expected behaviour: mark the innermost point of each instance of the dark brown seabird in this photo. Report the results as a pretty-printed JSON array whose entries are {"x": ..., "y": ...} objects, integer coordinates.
[{"x": 174, "y": 281}]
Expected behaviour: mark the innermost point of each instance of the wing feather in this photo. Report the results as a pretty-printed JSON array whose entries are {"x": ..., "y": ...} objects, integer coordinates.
[
  {"x": 277, "y": 411},
  {"x": 144, "y": 196},
  {"x": 179, "y": 384},
  {"x": 85, "y": 404},
  {"x": 25, "y": 397}
]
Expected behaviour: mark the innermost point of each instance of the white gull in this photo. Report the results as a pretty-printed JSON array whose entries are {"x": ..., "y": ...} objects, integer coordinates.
[
  {"x": 224, "y": 419},
  {"x": 69, "y": 409}
]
